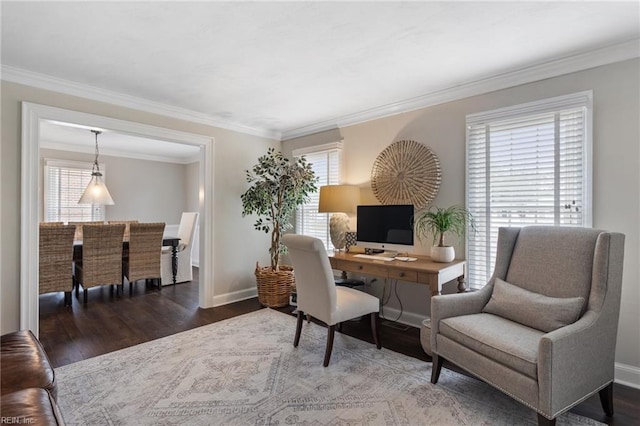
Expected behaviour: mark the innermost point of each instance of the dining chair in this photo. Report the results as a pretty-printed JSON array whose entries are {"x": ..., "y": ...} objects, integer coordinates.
[
  {"x": 79, "y": 225},
  {"x": 101, "y": 257},
  {"x": 145, "y": 250},
  {"x": 319, "y": 297},
  {"x": 55, "y": 259},
  {"x": 127, "y": 226},
  {"x": 186, "y": 233}
]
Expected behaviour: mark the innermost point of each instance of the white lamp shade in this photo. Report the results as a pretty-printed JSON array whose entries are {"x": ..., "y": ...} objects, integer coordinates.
[
  {"x": 338, "y": 199},
  {"x": 96, "y": 192}
]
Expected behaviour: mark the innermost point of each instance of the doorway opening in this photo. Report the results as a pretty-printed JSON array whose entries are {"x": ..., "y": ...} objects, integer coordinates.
[{"x": 33, "y": 117}]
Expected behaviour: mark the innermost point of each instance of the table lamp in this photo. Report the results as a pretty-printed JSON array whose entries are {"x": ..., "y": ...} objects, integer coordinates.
[{"x": 339, "y": 200}]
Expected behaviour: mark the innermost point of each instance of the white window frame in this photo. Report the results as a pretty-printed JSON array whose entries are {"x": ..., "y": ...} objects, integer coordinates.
[
  {"x": 97, "y": 210},
  {"x": 581, "y": 100},
  {"x": 333, "y": 147}
]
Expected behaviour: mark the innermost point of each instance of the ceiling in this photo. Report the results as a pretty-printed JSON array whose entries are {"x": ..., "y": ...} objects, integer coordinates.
[{"x": 278, "y": 68}]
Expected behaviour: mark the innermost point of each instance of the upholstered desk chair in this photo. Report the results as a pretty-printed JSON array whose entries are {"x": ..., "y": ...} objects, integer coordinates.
[
  {"x": 543, "y": 330},
  {"x": 145, "y": 249},
  {"x": 186, "y": 233},
  {"x": 55, "y": 263},
  {"x": 101, "y": 257},
  {"x": 318, "y": 295}
]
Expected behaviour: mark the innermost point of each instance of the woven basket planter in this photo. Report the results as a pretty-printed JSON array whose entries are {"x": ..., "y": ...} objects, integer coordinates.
[{"x": 274, "y": 287}]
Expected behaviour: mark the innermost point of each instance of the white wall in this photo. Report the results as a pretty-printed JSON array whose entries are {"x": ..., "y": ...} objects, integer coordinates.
[
  {"x": 147, "y": 191},
  {"x": 616, "y": 179},
  {"x": 237, "y": 245}
]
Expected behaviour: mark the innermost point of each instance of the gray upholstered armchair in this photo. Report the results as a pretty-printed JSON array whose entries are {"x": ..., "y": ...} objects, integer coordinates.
[{"x": 543, "y": 330}]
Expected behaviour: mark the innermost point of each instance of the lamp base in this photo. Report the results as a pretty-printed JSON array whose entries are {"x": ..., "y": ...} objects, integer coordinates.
[{"x": 338, "y": 228}]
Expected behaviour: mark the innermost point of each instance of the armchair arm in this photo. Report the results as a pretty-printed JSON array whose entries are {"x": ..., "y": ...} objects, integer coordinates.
[
  {"x": 575, "y": 361},
  {"x": 453, "y": 305}
]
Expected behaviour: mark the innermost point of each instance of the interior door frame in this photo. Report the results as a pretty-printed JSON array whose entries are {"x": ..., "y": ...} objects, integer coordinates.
[{"x": 32, "y": 115}]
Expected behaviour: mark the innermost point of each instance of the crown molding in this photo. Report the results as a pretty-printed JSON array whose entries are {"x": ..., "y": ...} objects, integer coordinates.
[
  {"x": 603, "y": 56},
  {"x": 61, "y": 146},
  {"x": 45, "y": 82},
  {"x": 595, "y": 58}
]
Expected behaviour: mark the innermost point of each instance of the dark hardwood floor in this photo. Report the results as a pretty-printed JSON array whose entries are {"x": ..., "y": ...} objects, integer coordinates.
[{"x": 110, "y": 322}]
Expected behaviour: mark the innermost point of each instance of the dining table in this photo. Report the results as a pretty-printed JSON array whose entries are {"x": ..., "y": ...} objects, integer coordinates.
[{"x": 167, "y": 241}]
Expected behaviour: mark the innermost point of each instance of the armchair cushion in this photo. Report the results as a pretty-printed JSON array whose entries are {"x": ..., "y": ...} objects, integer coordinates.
[
  {"x": 497, "y": 338},
  {"x": 532, "y": 309}
]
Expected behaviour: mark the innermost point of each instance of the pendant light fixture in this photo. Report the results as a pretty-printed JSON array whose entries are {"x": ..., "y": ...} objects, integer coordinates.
[{"x": 96, "y": 191}]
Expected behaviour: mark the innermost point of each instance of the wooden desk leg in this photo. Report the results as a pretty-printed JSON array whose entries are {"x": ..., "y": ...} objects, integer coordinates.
[{"x": 461, "y": 284}]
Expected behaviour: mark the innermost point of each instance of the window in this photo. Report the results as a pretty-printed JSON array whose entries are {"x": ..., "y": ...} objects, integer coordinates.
[
  {"x": 325, "y": 161},
  {"x": 64, "y": 183},
  {"x": 526, "y": 165}
]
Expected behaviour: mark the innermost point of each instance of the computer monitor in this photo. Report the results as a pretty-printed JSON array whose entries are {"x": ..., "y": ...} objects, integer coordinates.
[{"x": 385, "y": 227}]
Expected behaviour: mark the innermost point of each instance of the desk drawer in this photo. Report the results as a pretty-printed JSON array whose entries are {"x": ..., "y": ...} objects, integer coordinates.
[
  {"x": 334, "y": 262},
  {"x": 398, "y": 274},
  {"x": 363, "y": 268}
]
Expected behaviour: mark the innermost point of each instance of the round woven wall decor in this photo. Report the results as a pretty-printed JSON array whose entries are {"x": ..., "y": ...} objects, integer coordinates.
[{"x": 406, "y": 172}]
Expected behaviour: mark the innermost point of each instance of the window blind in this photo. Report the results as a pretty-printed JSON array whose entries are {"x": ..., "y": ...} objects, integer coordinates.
[
  {"x": 64, "y": 184},
  {"x": 325, "y": 162},
  {"x": 526, "y": 165}
]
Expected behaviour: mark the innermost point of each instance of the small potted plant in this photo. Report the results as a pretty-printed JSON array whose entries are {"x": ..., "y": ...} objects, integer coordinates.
[
  {"x": 436, "y": 221},
  {"x": 278, "y": 186}
]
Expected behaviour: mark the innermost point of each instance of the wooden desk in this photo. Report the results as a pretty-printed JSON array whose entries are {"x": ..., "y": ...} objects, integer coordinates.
[{"x": 421, "y": 271}]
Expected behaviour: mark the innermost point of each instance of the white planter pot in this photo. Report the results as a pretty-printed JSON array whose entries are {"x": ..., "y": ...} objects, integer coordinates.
[{"x": 443, "y": 254}]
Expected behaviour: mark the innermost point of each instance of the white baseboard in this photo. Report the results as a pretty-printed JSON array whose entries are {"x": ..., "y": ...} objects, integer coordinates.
[
  {"x": 234, "y": 296},
  {"x": 627, "y": 375},
  {"x": 407, "y": 318}
]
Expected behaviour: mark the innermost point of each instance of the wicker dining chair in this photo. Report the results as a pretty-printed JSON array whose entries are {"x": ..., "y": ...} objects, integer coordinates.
[
  {"x": 127, "y": 226},
  {"x": 79, "y": 226},
  {"x": 55, "y": 261},
  {"x": 101, "y": 257},
  {"x": 145, "y": 251}
]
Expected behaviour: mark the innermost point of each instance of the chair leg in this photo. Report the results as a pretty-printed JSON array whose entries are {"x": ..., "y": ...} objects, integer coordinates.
[
  {"x": 606, "y": 399},
  {"x": 339, "y": 327},
  {"x": 86, "y": 295},
  {"x": 436, "y": 368},
  {"x": 543, "y": 421},
  {"x": 296, "y": 340},
  {"x": 375, "y": 330},
  {"x": 327, "y": 353},
  {"x": 77, "y": 284},
  {"x": 67, "y": 298}
]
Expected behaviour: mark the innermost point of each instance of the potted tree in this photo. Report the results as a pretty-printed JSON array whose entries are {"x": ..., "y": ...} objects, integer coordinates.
[
  {"x": 436, "y": 221},
  {"x": 277, "y": 187}
]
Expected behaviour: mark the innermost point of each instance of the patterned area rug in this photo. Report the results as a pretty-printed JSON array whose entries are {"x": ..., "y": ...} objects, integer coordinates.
[{"x": 245, "y": 371}]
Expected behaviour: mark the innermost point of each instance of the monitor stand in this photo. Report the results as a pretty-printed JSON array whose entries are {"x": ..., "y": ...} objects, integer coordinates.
[
  {"x": 373, "y": 251},
  {"x": 389, "y": 253}
]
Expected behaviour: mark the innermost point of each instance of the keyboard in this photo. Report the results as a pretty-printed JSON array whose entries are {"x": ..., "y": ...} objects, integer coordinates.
[{"x": 373, "y": 257}]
